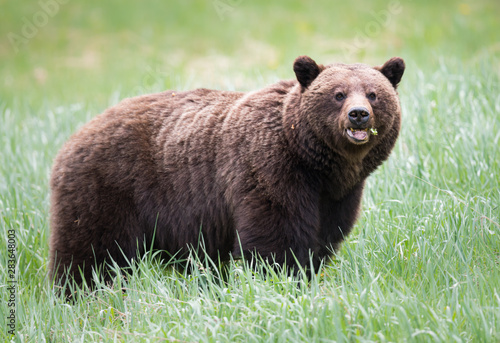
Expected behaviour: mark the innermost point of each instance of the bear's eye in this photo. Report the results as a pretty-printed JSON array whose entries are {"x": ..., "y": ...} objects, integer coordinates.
[
  {"x": 340, "y": 96},
  {"x": 372, "y": 96}
]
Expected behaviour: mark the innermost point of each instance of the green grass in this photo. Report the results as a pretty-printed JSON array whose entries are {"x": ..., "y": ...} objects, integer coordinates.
[{"x": 423, "y": 262}]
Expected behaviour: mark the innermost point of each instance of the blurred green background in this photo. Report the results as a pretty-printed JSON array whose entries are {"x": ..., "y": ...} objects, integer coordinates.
[{"x": 70, "y": 51}]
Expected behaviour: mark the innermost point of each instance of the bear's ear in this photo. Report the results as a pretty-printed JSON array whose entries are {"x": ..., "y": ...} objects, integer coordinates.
[
  {"x": 393, "y": 70},
  {"x": 306, "y": 70}
]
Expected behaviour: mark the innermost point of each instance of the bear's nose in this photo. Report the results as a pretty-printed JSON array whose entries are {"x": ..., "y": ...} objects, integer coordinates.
[{"x": 358, "y": 115}]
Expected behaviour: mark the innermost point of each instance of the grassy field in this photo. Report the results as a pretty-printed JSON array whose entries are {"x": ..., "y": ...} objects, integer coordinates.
[{"x": 423, "y": 261}]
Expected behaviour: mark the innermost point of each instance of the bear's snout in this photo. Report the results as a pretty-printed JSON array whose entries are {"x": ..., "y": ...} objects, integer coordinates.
[
  {"x": 358, "y": 115},
  {"x": 359, "y": 120}
]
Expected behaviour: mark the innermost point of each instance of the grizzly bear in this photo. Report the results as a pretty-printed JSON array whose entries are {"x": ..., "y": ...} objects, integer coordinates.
[{"x": 276, "y": 173}]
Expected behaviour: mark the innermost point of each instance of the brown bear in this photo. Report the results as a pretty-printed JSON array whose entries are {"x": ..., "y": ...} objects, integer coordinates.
[{"x": 278, "y": 172}]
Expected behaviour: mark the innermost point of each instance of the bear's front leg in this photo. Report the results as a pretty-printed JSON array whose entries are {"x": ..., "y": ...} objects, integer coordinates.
[
  {"x": 278, "y": 234},
  {"x": 337, "y": 218}
]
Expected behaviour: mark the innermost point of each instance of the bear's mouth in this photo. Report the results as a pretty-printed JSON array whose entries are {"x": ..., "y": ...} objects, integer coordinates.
[{"x": 358, "y": 136}]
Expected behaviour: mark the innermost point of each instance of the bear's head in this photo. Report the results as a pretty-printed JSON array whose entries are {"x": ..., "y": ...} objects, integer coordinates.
[{"x": 349, "y": 107}]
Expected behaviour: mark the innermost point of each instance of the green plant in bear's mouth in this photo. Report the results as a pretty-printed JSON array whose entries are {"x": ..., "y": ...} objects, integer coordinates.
[{"x": 373, "y": 131}]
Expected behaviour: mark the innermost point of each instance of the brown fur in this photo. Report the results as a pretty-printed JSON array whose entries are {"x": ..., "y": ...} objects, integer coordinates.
[{"x": 272, "y": 169}]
